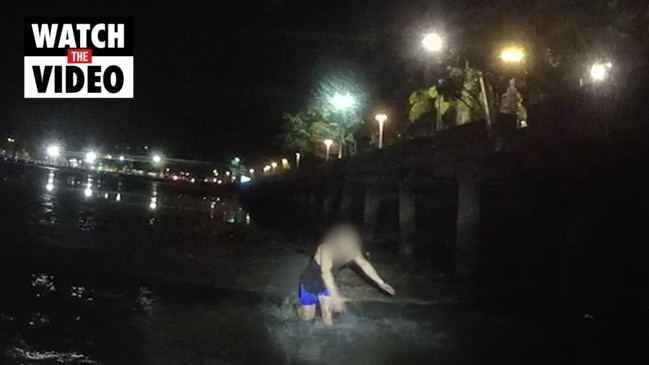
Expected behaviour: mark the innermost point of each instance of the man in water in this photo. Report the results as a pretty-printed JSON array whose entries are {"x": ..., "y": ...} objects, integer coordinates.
[{"x": 340, "y": 246}]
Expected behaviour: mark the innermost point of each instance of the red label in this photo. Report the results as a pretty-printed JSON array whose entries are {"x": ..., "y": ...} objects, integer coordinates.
[{"x": 79, "y": 55}]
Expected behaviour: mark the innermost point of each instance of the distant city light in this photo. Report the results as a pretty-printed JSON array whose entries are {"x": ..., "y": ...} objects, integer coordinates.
[
  {"x": 227, "y": 173},
  {"x": 381, "y": 118},
  {"x": 342, "y": 101},
  {"x": 267, "y": 168},
  {"x": 237, "y": 159},
  {"x": 285, "y": 164},
  {"x": 121, "y": 158},
  {"x": 88, "y": 191},
  {"x": 11, "y": 140},
  {"x": 273, "y": 165},
  {"x": 251, "y": 171},
  {"x": 156, "y": 159},
  {"x": 512, "y": 55},
  {"x": 432, "y": 42},
  {"x": 600, "y": 71},
  {"x": 53, "y": 151},
  {"x": 118, "y": 197},
  {"x": 328, "y": 143},
  {"x": 245, "y": 179},
  {"x": 91, "y": 157}
]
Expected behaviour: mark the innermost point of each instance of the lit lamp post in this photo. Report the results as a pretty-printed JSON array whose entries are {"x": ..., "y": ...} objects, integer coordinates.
[
  {"x": 157, "y": 161},
  {"x": 53, "y": 152},
  {"x": 381, "y": 118},
  {"x": 343, "y": 103},
  {"x": 512, "y": 56},
  {"x": 434, "y": 43},
  {"x": 91, "y": 157},
  {"x": 600, "y": 71},
  {"x": 328, "y": 143}
]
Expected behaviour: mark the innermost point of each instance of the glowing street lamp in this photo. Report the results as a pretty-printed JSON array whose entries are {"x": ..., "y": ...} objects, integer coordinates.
[
  {"x": 600, "y": 71},
  {"x": 512, "y": 55},
  {"x": 273, "y": 165},
  {"x": 381, "y": 118},
  {"x": 432, "y": 42},
  {"x": 11, "y": 140},
  {"x": 157, "y": 159},
  {"x": 121, "y": 158},
  {"x": 297, "y": 160},
  {"x": 328, "y": 143},
  {"x": 91, "y": 157},
  {"x": 342, "y": 101},
  {"x": 251, "y": 171},
  {"x": 53, "y": 151}
]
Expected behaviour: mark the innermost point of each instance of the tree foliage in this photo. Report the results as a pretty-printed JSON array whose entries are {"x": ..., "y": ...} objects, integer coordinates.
[{"x": 305, "y": 131}]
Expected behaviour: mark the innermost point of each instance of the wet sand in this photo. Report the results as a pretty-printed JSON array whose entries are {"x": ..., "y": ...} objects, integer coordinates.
[{"x": 105, "y": 280}]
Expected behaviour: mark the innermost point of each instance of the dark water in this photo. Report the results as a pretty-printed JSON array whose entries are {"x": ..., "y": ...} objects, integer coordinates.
[{"x": 99, "y": 269}]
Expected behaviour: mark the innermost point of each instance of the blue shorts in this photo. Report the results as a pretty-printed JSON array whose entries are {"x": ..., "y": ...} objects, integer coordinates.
[{"x": 307, "y": 298}]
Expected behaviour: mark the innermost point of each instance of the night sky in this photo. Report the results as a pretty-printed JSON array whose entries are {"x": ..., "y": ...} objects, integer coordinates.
[{"x": 211, "y": 78}]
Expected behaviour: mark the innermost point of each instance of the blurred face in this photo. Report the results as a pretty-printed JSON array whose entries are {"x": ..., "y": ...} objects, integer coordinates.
[{"x": 348, "y": 244}]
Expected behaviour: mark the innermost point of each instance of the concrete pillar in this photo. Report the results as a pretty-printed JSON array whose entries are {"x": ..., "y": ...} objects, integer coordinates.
[
  {"x": 346, "y": 200},
  {"x": 371, "y": 209},
  {"x": 468, "y": 226},
  {"x": 407, "y": 229}
]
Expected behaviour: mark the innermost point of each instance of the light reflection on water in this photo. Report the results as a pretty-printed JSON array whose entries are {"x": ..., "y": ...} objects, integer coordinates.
[
  {"x": 159, "y": 196},
  {"x": 98, "y": 212}
]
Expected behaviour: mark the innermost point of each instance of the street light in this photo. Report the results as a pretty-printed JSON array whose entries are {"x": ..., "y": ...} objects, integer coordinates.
[
  {"x": 599, "y": 71},
  {"x": 297, "y": 160},
  {"x": 251, "y": 171},
  {"x": 328, "y": 143},
  {"x": 11, "y": 140},
  {"x": 121, "y": 158},
  {"x": 432, "y": 42},
  {"x": 273, "y": 165},
  {"x": 156, "y": 159},
  {"x": 381, "y": 118},
  {"x": 342, "y": 101},
  {"x": 91, "y": 157},
  {"x": 512, "y": 55},
  {"x": 53, "y": 151}
]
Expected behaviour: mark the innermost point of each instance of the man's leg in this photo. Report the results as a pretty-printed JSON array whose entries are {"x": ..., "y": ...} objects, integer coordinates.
[
  {"x": 308, "y": 301},
  {"x": 325, "y": 310},
  {"x": 306, "y": 312}
]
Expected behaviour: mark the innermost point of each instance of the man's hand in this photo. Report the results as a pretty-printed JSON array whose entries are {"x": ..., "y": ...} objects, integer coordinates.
[
  {"x": 338, "y": 304},
  {"x": 387, "y": 288}
]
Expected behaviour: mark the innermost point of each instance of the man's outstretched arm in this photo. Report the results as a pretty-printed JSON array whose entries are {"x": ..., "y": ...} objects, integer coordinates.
[{"x": 371, "y": 273}]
